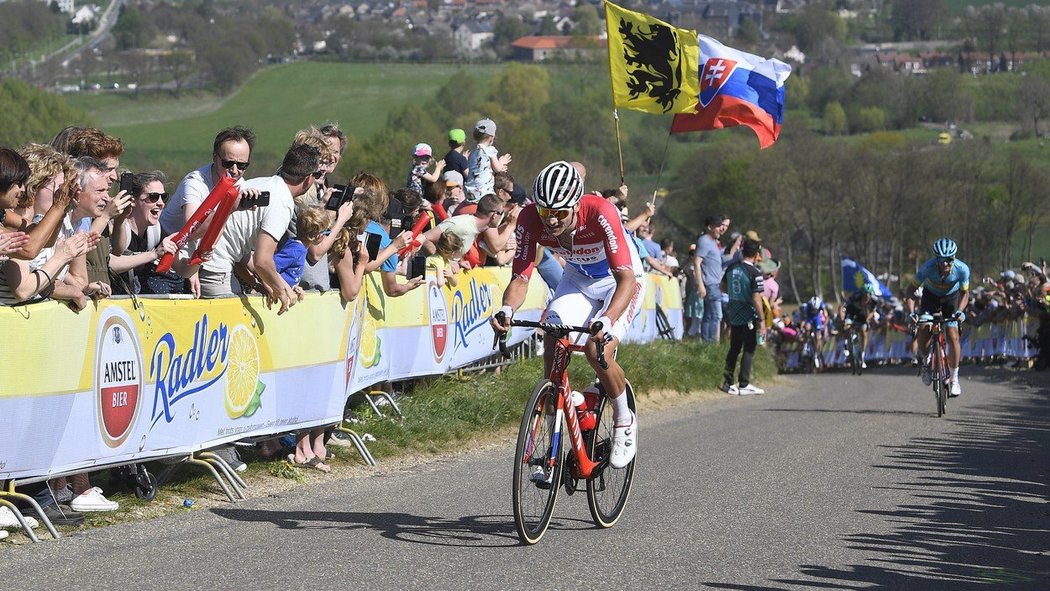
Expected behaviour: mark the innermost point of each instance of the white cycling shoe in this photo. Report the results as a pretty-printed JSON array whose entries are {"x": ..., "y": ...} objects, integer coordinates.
[
  {"x": 625, "y": 444},
  {"x": 955, "y": 389}
]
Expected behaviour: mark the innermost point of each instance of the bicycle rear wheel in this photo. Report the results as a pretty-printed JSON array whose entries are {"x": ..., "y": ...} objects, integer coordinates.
[
  {"x": 854, "y": 354},
  {"x": 537, "y": 450},
  {"x": 608, "y": 488}
]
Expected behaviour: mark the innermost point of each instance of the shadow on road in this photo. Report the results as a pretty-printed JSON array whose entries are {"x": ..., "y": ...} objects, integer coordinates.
[
  {"x": 979, "y": 518},
  {"x": 468, "y": 531}
]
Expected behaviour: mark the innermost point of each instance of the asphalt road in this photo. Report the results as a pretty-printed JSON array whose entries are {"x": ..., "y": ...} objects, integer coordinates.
[{"x": 826, "y": 482}]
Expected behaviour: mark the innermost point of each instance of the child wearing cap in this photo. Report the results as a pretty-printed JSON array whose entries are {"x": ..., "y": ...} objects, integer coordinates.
[
  {"x": 484, "y": 161},
  {"x": 456, "y": 159},
  {"x": 422, "y": 156}
]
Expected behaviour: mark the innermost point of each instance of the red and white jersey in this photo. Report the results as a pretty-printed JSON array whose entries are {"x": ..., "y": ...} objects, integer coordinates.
[{"x": 600, "y": 244}]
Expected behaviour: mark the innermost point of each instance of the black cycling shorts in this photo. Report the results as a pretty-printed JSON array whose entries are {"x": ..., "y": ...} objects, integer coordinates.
[
  {"x": 856, "y": 314},
  {"x": 946, "y": 305}
]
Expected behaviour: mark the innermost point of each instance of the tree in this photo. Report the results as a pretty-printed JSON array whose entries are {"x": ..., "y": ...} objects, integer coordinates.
[
  {"x": 835, "y": 119},
  {"x": 916, "y": 19},
  {"x": 506, "y": 31},
  {"x": 133, "y": 29},
  {"x": 548, "y": 26},
  {"x": 179, "y": 65},
  {"x": 587, "y": 21}
]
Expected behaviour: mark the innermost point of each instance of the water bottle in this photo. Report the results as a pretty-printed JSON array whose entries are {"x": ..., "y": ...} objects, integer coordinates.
[{"x": 585, "y": 409}]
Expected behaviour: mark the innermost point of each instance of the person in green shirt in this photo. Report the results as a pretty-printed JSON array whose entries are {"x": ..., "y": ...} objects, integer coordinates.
[{"x": 743, "y": 283}]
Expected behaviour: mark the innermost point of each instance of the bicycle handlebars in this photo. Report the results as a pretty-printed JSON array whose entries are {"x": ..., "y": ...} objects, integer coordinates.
[{"x": 556, "y": 330}]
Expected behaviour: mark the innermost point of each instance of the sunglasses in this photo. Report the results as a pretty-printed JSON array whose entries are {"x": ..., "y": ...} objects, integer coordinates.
[
  {"x": 558, "y": 214},
  {"x": 154, "y": 197},
  {"x": 228, "y": 164},
  {"x": 945, "y": 259},
  {"x": 317, "y": 175}
]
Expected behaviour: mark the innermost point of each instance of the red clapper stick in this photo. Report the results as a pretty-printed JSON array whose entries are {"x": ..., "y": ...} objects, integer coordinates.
[{"x": 207, "y": 208}]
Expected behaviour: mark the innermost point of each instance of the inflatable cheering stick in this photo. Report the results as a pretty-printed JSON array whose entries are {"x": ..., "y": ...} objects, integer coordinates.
[{"x": 207, "y": 208}]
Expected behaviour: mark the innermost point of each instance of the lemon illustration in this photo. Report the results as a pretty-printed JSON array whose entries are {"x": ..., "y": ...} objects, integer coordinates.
[
  {"x": 242, "y": 372},
  {"x": 369, "y": 344}
]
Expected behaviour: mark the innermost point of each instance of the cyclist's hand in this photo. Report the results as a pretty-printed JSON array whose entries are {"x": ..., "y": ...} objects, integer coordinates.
[
  {"x": 913, "y": 318},
  {"x": 500, "y": 321},
  {"x": 959, "y": 316},
  {"x": 601, "y": 336}
]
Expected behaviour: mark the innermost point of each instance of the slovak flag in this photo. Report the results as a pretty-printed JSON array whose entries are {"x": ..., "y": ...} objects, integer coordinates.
[{"x": 737, "y": 88}]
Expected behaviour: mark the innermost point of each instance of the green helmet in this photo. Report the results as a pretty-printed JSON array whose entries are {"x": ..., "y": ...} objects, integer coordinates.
[{"x": 869, "y": 289}]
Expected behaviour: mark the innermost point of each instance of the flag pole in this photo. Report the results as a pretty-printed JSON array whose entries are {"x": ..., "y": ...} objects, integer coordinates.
[
  {"x": 660, "y": 174},
  {"x": 619, "y": 146}
]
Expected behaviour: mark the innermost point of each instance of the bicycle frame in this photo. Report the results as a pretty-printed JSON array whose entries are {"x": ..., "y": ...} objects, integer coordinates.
[{"x": 563, "y": 350}]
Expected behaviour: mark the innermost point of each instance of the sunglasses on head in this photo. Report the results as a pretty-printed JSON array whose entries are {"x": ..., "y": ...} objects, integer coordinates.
[
  {"x": 558, "y": 214},
  {"x": 154, "y": 197},
  {"x": 228, "y": 164}
]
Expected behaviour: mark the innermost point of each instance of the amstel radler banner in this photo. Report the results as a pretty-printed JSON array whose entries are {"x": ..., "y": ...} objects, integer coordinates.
[{"x": 116, "y": 383}]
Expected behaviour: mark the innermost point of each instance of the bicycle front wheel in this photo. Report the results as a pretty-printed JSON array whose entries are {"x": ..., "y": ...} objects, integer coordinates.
[
  {"x": 855, "y": 354},
  {"x": 940, "y": 388},
  {"x": 608, "y": 489},
  {"x": 537, "y": 465}
]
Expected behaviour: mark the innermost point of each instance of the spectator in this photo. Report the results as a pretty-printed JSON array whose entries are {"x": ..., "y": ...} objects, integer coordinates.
[
  {"x": 376, "y": 205},
  {"x": 708, "y": 271},
  {"x": 456, "y": 158},
  {"x": 442, "y": 262},
  {"x": 694, "y": 304},
  {"x": 253, "y": 234},
  {"x": 496, "y": 245},
  {"x": 488, "y": 214},
  {"x": 484, "y": 161},
  {"x": 422, "y": 157},
  {"x": 230, "y": 157},
  {"x": 743, "y": 282},
  {"x": 43, "y": 205},
  {"x": 670, "y": 259},
  {"x": 453, "y": 193},
  {"x": 89, "y": 141},
  {"x": 144, "y": 236}
]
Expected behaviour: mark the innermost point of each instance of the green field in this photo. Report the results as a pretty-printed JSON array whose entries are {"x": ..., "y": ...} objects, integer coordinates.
[{"x": 176, "y": 135}]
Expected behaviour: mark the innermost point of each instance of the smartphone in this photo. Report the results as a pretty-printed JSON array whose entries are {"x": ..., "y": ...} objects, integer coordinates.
[
  {"x": 417, "y": 266},
  {"x": 261, "y": 201},
  {"x": 341, "y": 194},
  {"x": 372, "y": 244},
  {"x": 126, "y": 180}
]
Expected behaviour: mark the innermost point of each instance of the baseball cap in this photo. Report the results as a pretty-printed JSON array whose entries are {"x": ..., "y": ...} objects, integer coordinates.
[
  {"x": 486, "y": 126},
  {"x": 768, "y": 266},
  {"x": 422, "y": 150},
  {"x": 753, "y": 235},
  {"x": 452, "y": 178},
  {"x": 457, "y": 135}
]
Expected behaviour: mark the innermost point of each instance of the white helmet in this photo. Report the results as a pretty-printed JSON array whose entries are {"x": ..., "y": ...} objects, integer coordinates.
[
  {"x": 815, "y": 303},
  {"x": 557, "y": 186}
]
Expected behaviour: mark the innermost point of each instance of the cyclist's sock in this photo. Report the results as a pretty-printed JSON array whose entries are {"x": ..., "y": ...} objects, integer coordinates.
[
  {"x": 955, "y": 374},
  {"x": 621, "y": 412}
]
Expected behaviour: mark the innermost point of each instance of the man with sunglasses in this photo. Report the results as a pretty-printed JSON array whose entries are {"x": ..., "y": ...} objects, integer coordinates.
[
  {"x": 603, "y": 281},
  {"x": 945, "y": 283}
]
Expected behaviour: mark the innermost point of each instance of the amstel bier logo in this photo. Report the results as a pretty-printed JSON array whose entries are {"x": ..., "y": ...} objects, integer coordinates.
[
  {"x": 118, "y": 376},
  {"x": 438, "y": 319}
]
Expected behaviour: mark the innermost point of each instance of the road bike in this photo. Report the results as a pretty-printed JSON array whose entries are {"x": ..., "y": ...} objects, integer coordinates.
[
  {"x": 809, "y": 360},
  {"x": 543, "y": 465},
  {"x": 936, "y": 359},
  {"x": 853, "y": 347}
]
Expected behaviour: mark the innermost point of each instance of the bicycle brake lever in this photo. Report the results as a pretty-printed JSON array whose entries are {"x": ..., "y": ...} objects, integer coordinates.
[
  {"x": 500, "y": 338},
  {"x": 595, "y": 329}
]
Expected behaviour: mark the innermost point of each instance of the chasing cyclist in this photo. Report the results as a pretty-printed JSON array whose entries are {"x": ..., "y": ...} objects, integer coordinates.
[
  {"x": 603, "y": 281},
  {"x": 812, "y": 317},
  {"x": 859, "y": 310},
  {"x": 945, "y": 283}
]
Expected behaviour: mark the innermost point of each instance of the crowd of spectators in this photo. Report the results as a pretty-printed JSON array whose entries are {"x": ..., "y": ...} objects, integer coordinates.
[{"x": 78, "y": 228}]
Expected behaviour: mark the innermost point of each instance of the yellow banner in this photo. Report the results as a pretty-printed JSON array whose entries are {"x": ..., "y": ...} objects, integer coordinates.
[{"x": 653, "y": 66}]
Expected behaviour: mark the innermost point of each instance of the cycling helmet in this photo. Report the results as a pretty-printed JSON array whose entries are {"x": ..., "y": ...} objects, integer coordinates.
[
  {"x": 869, "y": 289},
  {"x": 815, "y": 303},
  {"x": 557, "y": 186},
  {"x": 945, "y": 248}
]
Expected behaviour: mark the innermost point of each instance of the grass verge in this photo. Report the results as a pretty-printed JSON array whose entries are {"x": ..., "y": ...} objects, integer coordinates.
[{"x": 442, "y": 415}]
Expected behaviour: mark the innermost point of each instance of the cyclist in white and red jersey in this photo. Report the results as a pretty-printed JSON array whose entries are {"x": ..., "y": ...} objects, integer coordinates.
[{"x": 603, "y": 281}]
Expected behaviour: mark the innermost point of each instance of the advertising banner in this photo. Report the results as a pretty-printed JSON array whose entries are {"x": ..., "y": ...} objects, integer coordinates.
[{"x": 118, "y": 383}]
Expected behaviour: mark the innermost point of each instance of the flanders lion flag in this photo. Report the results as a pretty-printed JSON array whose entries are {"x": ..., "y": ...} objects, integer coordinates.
[{"x": 654, "y": 67}]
